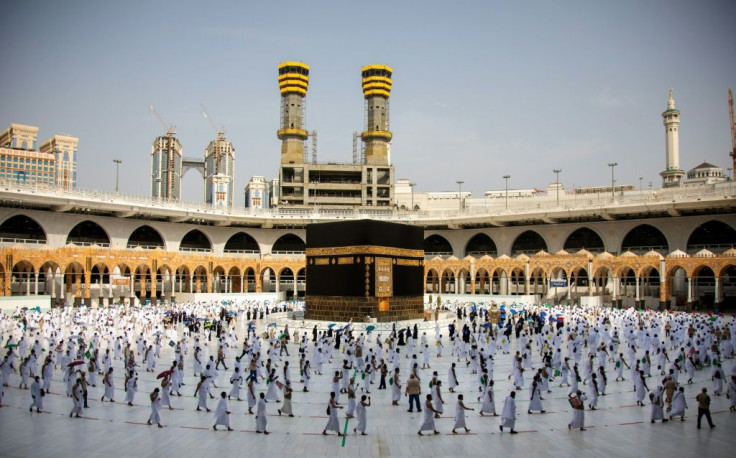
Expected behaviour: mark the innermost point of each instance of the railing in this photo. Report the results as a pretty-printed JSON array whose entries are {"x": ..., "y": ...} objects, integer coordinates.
[
  {"x": 133, "y": 246},
  {"x": 22, "y": 240},
  {"x": 95, "y": 243},
  {"x": 474, "y": 207},
  {"x": 196, "y": 250}
]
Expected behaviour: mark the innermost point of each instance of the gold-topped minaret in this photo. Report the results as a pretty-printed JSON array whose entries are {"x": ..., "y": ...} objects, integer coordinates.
[
  {"x": 376, "y": 90},
  {"x": 293, "y": 83}
]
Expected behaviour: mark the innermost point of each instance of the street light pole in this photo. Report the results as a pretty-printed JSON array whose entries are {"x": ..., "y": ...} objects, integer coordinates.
[
  {"x": 411, "y": 185},
  {"x": 460, "y": 196},
  {"x": 557, "y": 183},
  {"x": 612, "y": 165},
  {"x": 506, "y": 178},
  {"x": 117, "y": 172}
]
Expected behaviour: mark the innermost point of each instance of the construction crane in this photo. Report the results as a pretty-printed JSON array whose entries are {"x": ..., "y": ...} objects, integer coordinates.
[
  {"x": 219, "y": 132},
  {"x": 169, "y": 128},
  {"x": 733, "y": 132}
]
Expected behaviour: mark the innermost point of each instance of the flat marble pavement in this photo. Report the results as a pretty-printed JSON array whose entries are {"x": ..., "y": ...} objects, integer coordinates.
[{"x": 618, "y": 428}]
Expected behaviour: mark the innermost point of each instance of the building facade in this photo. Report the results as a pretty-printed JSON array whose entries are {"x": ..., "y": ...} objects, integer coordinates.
[
  {"x": 64, "y": 150},
  {"x": 219, "y": 172},
  {"x": 166, "y": 168},
  {"x": 55, "y": 164},
  {"x": 656, "y": 260},
  {"x": 256, "y": 193}
]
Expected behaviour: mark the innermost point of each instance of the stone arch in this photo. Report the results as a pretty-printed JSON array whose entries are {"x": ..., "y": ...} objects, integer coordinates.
[
  {"x": 50, "y": 275},
  {"x": 528, "y": 242},
  {"x": 201, "y": 280},
  {"x": 499, "y": 281},
  {"x": 145, "y": 237},
  {"x": 727, "y": 276},
  {"x": 142, "y": 282},
  {"x": 22, "y": 228},
  {"x": 579, "y": 282},
  {"x": 584, "y": 238},
  {"x": 269, "y": 281},
  {"x": 286, "y": 281},
  {"x": 447, "y": 281},
  {"x": 242, "y": 243},
  {"x": 219, "y": 281},
  {"x": 183, "y": 280},
  {"x": 88, "y": 233},
  {"x": 195, "y": 240},
  {"x": 437, "y": 245},
  {"x": 602, "y": 281},
  {"x": 164, "y": 278},
  {"x": 235, "y": 283},
  {"x": 703, "y": 287},
  {"x": 289, "y": 244},
  {"x": 432, "y": 281},
  {"x": 249, "y": 278},
  {"x": 644, "y": 238},
  {"x": 626, "y": 282},
  {"x": 464, "y": 281},
  {"x": 649, "y": 282},
  {"x": 301, "y": 281},
  {"x": 537, "y": 281},
  {"x": 517, "y": 281},
  {"x": 482, "y": 281},
  {"x": 481, "y": 245},
  {"x": 74, "y": 283},
  {"x": 556, "y": 293},
  {"x": 715, "y": 236},
  {"x": 23, "y": 275},
  {"x": 100, "y": 274}
]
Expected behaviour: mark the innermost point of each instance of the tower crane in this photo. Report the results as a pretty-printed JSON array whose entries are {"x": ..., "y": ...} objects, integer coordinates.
[
  {"x": 169, "y": 128},
  {"x": 221, "y": 131},
  {"x": 220, "y": 137},
  {"x": 733, "y": 132}
]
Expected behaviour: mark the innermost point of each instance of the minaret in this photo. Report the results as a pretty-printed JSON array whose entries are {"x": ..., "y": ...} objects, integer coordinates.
[
  {"x": 293, "y": 83},
  {"x": 376, "y": 90},
  {"x": 671, "y": 120}
]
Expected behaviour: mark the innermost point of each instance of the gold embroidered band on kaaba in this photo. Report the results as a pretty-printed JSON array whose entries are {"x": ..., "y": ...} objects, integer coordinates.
[{"x": 364, "y": 249}]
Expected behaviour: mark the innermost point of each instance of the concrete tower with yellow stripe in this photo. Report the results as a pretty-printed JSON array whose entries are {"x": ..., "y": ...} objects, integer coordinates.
[
  {"x": 293, "y": 83},
  {"x": 376, "y": 90}
]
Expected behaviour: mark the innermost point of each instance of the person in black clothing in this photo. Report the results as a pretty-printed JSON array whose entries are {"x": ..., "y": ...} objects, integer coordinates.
[
  {"x": 415, "y": 335},
  {"x": 466, "y": 334},
  {"x": 314, "y": 333}
]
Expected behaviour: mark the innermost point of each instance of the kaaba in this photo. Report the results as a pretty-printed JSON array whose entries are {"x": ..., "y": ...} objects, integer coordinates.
[{"x": 364, "y": 268}]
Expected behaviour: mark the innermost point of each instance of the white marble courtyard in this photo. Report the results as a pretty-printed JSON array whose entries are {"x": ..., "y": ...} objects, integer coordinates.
[{"x": 618, "y": 428}]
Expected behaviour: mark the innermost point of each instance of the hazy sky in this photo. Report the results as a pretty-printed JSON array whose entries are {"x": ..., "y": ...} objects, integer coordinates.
[{"x": 481, "y": 89}]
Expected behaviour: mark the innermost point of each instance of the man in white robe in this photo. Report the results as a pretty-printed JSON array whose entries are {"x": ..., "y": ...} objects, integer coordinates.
[
  {"x": 577, "y": 402},
  {"x": 261, "y": 419},
  {"x": 679, "y": 404},
  {"x": 460, "y": 409},
  {"x": 222, "y": 413},
  {"x": 508, "y": 415},
  {"x": 37, "y": 395}
]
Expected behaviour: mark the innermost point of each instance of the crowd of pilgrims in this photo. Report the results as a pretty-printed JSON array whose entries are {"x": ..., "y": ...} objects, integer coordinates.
[{"x": 583, "y": 349}]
